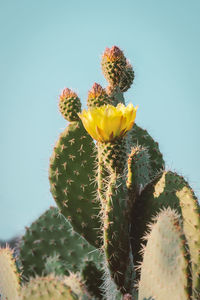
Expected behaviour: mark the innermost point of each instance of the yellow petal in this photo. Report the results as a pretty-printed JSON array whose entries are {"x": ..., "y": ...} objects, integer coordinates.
[{"x": 107, "y": 122}]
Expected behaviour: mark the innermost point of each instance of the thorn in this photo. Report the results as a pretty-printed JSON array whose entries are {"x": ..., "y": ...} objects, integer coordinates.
[
  {"x": 72, "y": 141},
  {"x": 69, "y": 181},
  {"x": 64, "y": 165},
  {"x": 72, "y": 157},
  {"x": 81, "y": 150}
]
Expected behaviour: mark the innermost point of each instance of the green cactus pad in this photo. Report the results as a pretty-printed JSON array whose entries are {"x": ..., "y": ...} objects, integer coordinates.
[
  {"x": 71, "y": 175},
  {"x": 52, "y": 236},
  {"x": 47, "y": 288},
  {"x": 9, "y": 278},
  {"x": 139, "y": 136},
  {"x": 169, "y": 189},
  {"x": 165, "y": 271}
]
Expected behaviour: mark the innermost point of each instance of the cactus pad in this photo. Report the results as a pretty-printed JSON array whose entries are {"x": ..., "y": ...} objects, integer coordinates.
[
  {"x": 47, "y": 288},
  {"x": 9, "y": 278},
  {"x": 71, "y": 176},
  {"x": 165, "y": 271},
  {"x": 169, "y": 189},
  {"x": 49, "y": 238}
]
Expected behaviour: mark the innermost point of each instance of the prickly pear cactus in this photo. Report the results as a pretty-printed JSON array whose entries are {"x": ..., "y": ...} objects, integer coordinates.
[
  {"x": 110, "y": 189},
  {"x": 9, "y": 277},
  {"x": 51, "y": 245}
]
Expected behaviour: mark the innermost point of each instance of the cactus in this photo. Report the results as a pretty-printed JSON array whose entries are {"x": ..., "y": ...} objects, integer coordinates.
[
  {"x": 131, "y": 187},
  {"x": 50, "y": 245},
  {"x": 46, "y": 288},
  {"x": 9, "y": 277},
  {"x": 108, "y": 191}
]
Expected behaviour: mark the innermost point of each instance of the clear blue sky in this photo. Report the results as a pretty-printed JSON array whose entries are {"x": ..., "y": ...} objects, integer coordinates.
[{"x": 47, "y": 45}]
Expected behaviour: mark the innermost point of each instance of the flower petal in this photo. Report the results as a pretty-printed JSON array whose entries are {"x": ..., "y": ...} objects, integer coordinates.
[{"x": 107, "y": 122}]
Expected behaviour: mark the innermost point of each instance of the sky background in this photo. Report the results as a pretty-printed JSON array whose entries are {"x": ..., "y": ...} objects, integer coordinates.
[{"x": 47, "y": 45}]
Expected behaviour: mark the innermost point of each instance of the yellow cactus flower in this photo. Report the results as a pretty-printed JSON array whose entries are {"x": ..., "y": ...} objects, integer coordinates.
[{"x": 108, "y": 122}]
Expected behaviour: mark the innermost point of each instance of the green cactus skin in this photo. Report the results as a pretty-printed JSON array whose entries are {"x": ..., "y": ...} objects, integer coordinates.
[
  {"x": 49, "y": 236},
  {"x": 47, "y": 288},
  {"x": 139, "y": 136},
  {"x": 9, "y": 277},
  {"x": 93, "y": 279},
  {"x": 97, "y": 96},
  {"x": 169, "y": 189},
  {"x": 165, "y": 270},
  {"x": 71, "y": 176},
  {"x": 115, "y": 94}
]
